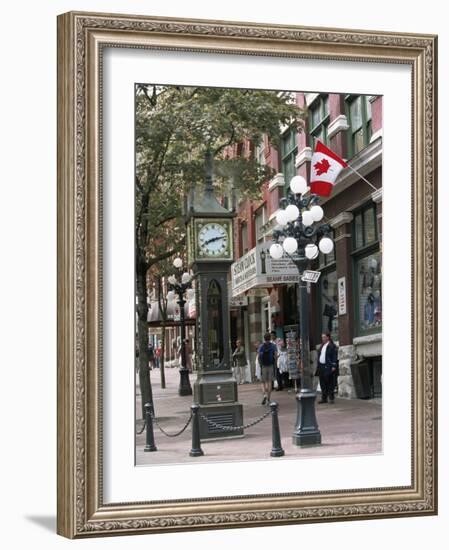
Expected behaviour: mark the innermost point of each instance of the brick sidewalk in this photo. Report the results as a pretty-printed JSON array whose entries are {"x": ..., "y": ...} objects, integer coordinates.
[{"x": 350, "y": 427}]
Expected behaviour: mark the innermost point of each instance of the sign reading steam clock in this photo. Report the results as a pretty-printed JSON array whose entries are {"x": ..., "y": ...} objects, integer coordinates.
[{"x": 210, "y": 254}]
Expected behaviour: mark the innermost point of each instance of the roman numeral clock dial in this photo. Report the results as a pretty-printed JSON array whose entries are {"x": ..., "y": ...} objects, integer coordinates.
[{"x": 213, "y": 240}]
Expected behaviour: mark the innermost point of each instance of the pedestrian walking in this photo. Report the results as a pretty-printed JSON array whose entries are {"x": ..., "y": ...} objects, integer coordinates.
[
  {"x": 157, "y": 355},
  {"x": 267, "y": 354},
  {"x": 282, "y": 366},
  {"x": 327, "y": 367},
  {"x": 150, "y": 356},
  {"x": 239, "y": 361},
  {"x": 257, "y": 370},
  {"x": 276, "y": 384}
]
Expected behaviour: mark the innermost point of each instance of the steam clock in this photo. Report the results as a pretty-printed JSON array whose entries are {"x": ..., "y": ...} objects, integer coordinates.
[{"x": 210, "y": 253}]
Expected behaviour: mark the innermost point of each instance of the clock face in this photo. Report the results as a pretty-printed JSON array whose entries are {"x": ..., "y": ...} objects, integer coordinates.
[{"x": 213, "y": 240}]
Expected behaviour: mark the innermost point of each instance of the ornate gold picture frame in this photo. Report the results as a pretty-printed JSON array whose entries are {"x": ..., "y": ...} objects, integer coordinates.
[{"x": 82, "y": 40}]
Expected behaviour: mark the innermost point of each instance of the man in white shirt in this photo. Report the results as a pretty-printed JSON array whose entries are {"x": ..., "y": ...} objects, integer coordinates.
[{"x": 327, "y": 366}]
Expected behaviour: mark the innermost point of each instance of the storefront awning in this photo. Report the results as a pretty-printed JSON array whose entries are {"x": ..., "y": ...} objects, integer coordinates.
[
  {"x": 155, "y": 317},
  {"x": 257, "y": 269}
]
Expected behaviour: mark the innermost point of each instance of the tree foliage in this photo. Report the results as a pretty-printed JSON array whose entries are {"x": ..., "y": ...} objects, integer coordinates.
[{"x": 175, "y": 127}]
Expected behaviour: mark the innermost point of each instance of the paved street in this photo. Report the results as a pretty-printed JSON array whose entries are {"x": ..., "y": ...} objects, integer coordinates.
[{"x": 349, "y": 427}]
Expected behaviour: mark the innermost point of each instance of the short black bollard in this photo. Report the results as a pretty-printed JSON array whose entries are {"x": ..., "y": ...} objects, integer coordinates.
[
  {"x": 196, "y": 441},
  {"x": 150, "y": 446},
  {"x": 277, "y": 449}
]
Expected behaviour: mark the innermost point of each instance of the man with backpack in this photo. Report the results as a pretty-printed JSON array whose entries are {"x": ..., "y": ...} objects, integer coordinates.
[{"x": 267, "y": 355}]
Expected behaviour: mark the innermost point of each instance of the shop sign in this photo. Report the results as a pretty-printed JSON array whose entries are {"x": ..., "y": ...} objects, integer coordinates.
[
  {"x": 257, "y": 269},
  {"x": 238, "y": 301},
  {"x": 341, "y": 295},
  {"x": 311, "y": 276}
]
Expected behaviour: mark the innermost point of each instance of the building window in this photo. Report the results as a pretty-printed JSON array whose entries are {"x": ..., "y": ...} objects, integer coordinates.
[
  {"x": 289, "y": 150},
  {"x": 259, "y": 222},
  {"x": 369, "y": 295},
  {"x": 266, "y": 317},
  {"x": 367, "y": 271},
  {"x": 358, "y": 112},
  {"x": 365, "y": 227},
  {"x": 244, "y": 237},
  {"x": 329, "y": 304},
  {"x": 260, "y": 153},
  {"x": 319, "y": 120}
]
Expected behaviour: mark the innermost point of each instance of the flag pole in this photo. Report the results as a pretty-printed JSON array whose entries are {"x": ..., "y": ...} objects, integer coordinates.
[{"x": 360, "y": 176}]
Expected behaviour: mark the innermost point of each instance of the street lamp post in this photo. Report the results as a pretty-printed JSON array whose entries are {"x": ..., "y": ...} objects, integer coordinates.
[
  {"x": 179, "y": 289},
  {"x": 297, "y": 236}
]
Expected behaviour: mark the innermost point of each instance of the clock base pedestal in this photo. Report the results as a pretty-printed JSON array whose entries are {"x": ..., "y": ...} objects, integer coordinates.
[
  {"x": 222, "y": 415},
  {"x": 217, "y": 396}
]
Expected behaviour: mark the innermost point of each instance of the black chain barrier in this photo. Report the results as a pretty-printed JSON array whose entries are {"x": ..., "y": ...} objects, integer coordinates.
[
  {"x": 234, "y": 428},
  {"x": 143, "y": 428},
  {"x": 182, "y": 430},
  {"x": 195, "y": 415}
]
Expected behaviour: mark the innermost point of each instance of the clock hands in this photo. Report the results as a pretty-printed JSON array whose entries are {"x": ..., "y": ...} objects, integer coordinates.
[{"x": 214, "y": 239}]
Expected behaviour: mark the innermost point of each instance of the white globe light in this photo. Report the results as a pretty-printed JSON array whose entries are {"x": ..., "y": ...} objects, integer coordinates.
[
  {"x": 177, "y": 262},
  {"x": 311, "y": 251},
  {"x": 307, "y": 218},
  {"x": 290, "y": 245},
  {"x": 282, "y": 217},
  {"x": 298, "y": 185},
  {"x": 190, "y": 293},
  {"x": 170, "y": 295},
  {"x": 326, "y": 245},
  {"x": 292, "y": 212},
  {"x": 276, "y": 251},
  {"x": 317, "y": 213},
  {"x": 172, "y": 279},
  {"x": 185, "y": 277}
]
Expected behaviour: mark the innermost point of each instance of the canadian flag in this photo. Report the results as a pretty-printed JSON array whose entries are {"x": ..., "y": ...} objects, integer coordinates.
[{"x": 326, "y": 166}]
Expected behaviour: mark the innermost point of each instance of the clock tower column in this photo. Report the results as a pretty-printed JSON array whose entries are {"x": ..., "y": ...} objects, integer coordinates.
[{"x": 210, "y": 253}]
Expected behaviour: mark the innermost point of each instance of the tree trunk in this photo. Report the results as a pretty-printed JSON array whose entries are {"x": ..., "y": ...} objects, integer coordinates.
[{"x": 142, "y": 330}]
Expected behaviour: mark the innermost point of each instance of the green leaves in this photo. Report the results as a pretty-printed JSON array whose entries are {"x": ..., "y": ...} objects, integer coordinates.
[{"x": 174, "y": 128}]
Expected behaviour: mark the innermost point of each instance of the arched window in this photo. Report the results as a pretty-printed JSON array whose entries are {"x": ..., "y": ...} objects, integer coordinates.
[{"x": 214, "y": 323}]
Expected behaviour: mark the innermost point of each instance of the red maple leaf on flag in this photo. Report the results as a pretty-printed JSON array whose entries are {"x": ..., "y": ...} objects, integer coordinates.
[{"x": 322, "y": 167}]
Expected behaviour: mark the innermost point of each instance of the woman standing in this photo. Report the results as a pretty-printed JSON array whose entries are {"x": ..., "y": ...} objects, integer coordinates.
[{"x": 239, "y": 360}]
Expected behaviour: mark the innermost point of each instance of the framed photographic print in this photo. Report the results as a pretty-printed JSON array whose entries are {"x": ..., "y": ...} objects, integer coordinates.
[{"x": 242, "y": 303}]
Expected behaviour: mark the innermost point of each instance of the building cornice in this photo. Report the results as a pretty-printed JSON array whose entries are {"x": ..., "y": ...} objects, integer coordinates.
[
  {"x": 342, "y": 219},
  {"x": 276, "y": 181},
  {"x": 303, "y": 156},
  {"x": 337, "y": 125},
  {"x": 377, "y": 196}
]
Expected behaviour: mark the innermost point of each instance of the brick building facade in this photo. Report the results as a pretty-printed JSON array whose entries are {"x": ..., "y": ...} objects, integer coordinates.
[{"x": 346, "y": 301}]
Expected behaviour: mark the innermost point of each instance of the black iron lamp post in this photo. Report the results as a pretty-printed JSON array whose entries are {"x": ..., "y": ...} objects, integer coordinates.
[
  {"x": 180, "y": 289},
  {"x": 301, "y": 239}
]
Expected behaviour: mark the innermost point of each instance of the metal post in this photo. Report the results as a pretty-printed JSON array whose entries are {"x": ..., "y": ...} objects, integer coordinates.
[
  {"x": 277, "y": 449},
  {"x": 306, "y": 429},
  {"x": 196, "y": 441},
  {"x": 184, "y": 382},
  {"x": 150, "y": 446}
]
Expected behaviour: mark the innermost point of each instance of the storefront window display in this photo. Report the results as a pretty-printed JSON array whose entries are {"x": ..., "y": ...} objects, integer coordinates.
[
  {"x": 369, "y": 279},
  {"x": 329, "y": 304}
]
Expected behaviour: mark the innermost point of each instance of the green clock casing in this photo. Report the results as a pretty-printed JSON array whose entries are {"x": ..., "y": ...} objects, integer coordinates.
[{"x": 210, "y": 239}]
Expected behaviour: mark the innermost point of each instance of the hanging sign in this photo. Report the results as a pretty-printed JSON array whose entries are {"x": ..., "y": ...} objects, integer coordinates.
[
  {"x": 342, "y": 296},
  {"x": 311, "y": 276}
]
